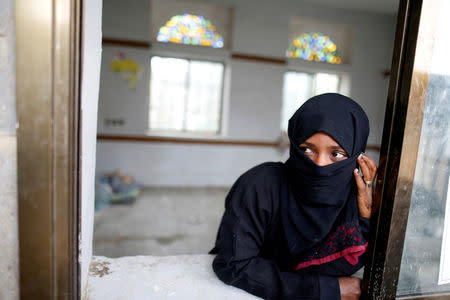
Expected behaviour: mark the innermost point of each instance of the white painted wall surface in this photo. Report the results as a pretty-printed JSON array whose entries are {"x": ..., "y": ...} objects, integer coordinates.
[
  {"x": 254, "y": 101},
  {"x": 90, "y": 77},
  {"x": 121, "y": 102},
  {"x": 128, "y": 19},
  {"x": 198, "y": 165},
  {"x": 9, "y": 236}
]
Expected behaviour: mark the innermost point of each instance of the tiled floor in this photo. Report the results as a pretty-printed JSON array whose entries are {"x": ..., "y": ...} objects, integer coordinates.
[{"x": 162, "y": 221}]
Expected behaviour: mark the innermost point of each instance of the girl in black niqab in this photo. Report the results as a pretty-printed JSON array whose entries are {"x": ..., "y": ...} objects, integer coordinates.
[{"x": 298, "y": 230}]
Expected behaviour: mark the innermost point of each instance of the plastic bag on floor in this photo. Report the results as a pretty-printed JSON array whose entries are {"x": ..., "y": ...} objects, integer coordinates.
[{"x": 115, "y": 188}]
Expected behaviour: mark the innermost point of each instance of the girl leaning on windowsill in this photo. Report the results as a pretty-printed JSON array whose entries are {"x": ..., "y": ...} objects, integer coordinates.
[{"x": 298, "y": 230}]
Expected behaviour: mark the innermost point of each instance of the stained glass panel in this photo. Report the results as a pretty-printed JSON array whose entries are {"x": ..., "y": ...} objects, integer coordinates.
[
  {"x": 314, "y": 46},
  {"x": 190, "y": 30}
]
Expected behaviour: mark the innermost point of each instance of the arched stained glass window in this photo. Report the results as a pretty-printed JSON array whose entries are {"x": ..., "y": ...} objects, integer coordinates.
[
  {"x": 314, "y": 46},
  {"x": 190, "y": 30}
]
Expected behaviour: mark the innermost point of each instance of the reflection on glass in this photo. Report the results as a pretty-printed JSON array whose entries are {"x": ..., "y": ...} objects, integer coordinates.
[
  {"x": 444, "y": 270},
  {"x": 421, "y": 255},
  {"x": 419, "y": 272}
]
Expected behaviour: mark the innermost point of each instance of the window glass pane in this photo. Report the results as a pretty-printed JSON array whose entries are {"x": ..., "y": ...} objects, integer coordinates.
[
  {"x": 419, "y": 271},
  {"x": 296, "y": 90},
  {"x": 167, "y": 93},
  {"x": 204, "y": 96},
  {"x": 326, "y": 83},
  {"x": 425, "y": 266}
]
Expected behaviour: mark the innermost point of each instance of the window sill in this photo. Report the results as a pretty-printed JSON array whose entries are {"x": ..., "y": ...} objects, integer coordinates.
[{"x": 157, "y": 277}]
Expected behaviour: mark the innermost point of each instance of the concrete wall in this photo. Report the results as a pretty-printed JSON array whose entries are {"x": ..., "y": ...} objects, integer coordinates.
[
  {"x": 91, "y": 57},
  {"x": 253, "y": 100},
  {"x": 9, "y": 253},
  {"x": 181, "y": 277}
]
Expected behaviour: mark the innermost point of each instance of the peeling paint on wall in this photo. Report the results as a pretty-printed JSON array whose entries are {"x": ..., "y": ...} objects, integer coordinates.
[{"x": 99, "y": 268}]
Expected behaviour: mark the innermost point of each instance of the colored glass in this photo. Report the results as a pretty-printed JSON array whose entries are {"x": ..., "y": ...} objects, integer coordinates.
[
  {"x": 314, "y": 46},
  {"x": 190, "y": 30}
]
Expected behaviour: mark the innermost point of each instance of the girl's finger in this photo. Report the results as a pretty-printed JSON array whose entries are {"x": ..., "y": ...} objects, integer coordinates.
[
  {"x": 359, "y": 181},
  {"x": 372, "y": 165},
  {"x": 365, "y": 168}
]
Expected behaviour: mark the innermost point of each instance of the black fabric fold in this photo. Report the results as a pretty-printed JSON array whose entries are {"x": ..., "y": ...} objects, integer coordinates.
[
  {"x": 324, "y": 196},
  {"x": 280, "y": 215}
]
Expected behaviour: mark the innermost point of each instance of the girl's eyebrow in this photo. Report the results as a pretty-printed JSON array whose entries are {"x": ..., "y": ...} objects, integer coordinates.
[
  {"x": 308, "y": 144},
  {"x": 336, "y": 147}
]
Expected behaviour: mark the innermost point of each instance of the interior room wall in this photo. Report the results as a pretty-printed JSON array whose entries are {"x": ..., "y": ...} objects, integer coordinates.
[
  {"x": 119, "y": 102},
  {"x": 90, "y": 77},
  {"x": 255, "y": 89},
  {"x": 9, "y": 236}
]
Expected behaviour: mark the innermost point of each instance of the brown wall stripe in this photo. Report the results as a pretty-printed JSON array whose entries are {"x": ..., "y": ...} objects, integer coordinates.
[
  {"x": 126, "y": 43},
  {"x": 264, "y": 59},
  {"x": 154, "y": 139},
  {"x": 176, "y": 140}
]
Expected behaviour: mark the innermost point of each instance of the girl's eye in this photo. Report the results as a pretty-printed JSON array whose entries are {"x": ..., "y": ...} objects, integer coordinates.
[
  {"x": 306, "y": 150},
  {"x": 339, "y": 155}
]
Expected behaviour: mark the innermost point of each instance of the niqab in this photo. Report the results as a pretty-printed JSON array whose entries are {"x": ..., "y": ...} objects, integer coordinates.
[{"x": 320, "y": 222}]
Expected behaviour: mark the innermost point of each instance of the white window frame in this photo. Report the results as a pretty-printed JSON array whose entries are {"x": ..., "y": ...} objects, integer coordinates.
[
  {"x": 188, "y": 52},
  {"x": 313, "y": 68}
]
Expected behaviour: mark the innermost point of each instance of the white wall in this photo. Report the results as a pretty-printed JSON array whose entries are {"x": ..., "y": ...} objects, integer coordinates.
[
  {"x": 121, "y": 102},
  {"x": 128, "y": 19},
  {"x": 158, "y": 164},
  {"x": 254, "y": 98},
  {"x": 9, "y": 236},
  {"x": 90, "y": 77}
]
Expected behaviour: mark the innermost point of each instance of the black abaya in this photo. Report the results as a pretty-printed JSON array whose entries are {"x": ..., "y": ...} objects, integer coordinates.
[{"x": 289, "y": 230}]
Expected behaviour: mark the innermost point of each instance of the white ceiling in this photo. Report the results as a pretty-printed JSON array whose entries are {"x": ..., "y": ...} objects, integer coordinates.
[{"x": 377, "y": 6}]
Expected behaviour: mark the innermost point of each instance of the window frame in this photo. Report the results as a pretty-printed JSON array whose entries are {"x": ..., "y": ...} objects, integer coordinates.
[
  {"x": 398, "y": 156},
  {"x": 165, "y": 50},
  {"x": 376, "y": 285},
  {"x": 342, "y": 70}
]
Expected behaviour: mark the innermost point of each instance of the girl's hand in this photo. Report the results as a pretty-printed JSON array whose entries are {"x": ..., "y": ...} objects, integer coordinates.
[
  {"x": 350, "y": 288},
  {"x": 364, "y": 184}
]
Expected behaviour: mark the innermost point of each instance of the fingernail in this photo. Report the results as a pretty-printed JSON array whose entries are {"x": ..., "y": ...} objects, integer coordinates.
[{"x": 360, "y": 156}]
